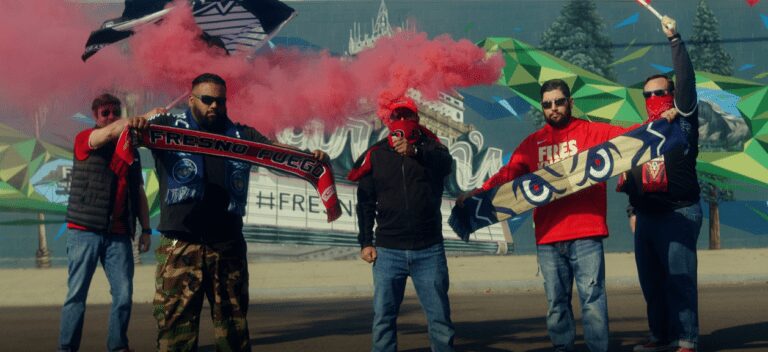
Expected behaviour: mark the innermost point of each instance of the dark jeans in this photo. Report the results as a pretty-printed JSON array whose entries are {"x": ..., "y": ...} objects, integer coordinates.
[
  {"x": 665, "y": 252},
  {"x": 428, "y": 270}
]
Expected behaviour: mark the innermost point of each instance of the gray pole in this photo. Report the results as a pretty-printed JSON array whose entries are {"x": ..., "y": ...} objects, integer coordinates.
[{"x": 42, "y": 256}]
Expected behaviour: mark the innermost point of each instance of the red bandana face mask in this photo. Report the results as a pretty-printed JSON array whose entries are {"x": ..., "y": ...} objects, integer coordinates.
[
  {"x": 407, "y": 129},
  {"x": 655, "y": 106}
]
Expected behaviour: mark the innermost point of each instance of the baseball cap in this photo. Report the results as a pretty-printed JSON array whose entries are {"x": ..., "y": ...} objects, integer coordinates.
[{"x": 404, "y": 102}]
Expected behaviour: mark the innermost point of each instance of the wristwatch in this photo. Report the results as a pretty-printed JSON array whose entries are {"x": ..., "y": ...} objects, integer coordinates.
[{"x": 147, "y": 231}]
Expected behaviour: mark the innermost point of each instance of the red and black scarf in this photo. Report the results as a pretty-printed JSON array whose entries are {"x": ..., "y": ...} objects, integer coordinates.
[{"x": 297, "y": 163}]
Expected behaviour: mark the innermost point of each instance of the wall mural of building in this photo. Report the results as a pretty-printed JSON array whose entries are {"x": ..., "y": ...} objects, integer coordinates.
[{"x": 479, "y": 126}]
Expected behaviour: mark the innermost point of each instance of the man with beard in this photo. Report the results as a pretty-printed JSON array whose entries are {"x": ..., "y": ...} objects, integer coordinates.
[
  {"x": 570, "y": 230},
  {"x": 202, "y": 252},
  {"x": 664, "y": 193},
  {"x": 400, "y": 189},
  {"x": 104, "y": 203}
]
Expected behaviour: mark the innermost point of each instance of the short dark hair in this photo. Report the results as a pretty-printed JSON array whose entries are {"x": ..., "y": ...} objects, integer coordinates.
[
  {"x": 553, "y": 84},
  {"x": 105, "y": 99},
  {"x": 670, "y": 82},
  {"x": 208, "y": 78}
]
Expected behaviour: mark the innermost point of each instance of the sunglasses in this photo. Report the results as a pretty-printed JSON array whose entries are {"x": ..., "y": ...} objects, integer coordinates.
[
  {"x": 558, "y": 102},
  {"x": 208, "y": 100},
  {"x": 658, "y": 93},
  {"x": 402, "y": 113},
  {"x": 107, "y": 112}
]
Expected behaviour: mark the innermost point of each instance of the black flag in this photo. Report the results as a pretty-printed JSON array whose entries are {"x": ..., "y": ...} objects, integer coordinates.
[
  {"x": 136, "y": 12},
  {"x": 242, "y": 25},
  {"x": 236, "y": 25}
]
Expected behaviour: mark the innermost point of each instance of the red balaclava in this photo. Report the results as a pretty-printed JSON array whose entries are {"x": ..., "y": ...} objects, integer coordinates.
[
  {"x": 402, "y": 128},
  {"x": 407, "y": 129}
]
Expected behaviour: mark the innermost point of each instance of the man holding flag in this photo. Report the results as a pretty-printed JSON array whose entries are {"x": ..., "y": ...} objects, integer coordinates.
[{"x": 202, "y": 251}]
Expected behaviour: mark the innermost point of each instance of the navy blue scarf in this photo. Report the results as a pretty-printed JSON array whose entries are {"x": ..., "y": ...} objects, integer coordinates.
[{"x": 186, "y": 171}]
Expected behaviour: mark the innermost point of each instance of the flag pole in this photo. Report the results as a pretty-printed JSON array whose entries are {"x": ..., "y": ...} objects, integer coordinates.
[
  {"x": 272, "y": 35},
  {"x": 650, "y": 8},
  {"x": 654, "y": 12},
  {"x": 177, "y": 100}
]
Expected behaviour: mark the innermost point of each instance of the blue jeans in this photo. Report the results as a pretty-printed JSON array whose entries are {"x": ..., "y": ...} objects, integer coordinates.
[
  {"x": 561, "y": 263},
  {"x": 428, "y": 270},
  {"x": 84, "y": 252},
  {"x": 665, "y": 253}
]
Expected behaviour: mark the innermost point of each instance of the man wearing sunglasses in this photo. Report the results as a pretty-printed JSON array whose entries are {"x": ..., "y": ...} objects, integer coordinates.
[
  {"x": 104, "y": 204},
  {"x": 400, "y": 186},
  {"x": 202, "y": 252},
  {"x": 569, "y": 231},
  {"x": 664, "y": 193}
]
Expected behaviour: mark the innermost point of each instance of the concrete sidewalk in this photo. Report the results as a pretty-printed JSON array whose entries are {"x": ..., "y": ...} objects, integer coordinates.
[{"x": 324, "y": 279}]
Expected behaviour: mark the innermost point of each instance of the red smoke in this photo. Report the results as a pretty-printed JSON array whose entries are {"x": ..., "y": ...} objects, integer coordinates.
[
  {"x": 271, "y": 91},
  {"x": 40, "y": 41}
]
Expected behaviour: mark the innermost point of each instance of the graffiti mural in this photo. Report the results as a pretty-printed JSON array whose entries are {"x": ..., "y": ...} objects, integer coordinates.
[{"x": 481, "y": 126}]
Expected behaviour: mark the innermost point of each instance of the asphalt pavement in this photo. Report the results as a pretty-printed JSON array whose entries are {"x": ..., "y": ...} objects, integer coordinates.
[{"x": 733, "y": 318}]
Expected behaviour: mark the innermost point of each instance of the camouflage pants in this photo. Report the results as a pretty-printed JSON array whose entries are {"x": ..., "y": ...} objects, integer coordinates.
[{"x": 187, "y": 271}]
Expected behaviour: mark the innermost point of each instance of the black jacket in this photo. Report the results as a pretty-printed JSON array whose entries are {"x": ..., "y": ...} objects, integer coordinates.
[
  {"x": 680, "y": 164},
  {"x": 403, "y": 195}
]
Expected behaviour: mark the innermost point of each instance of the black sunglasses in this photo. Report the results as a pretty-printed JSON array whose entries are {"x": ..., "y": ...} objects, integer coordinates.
[
  {"x": 657, "y": 92},
  {"x": 558, "y": 102},
  {"x": 208, "y": 100},
  {"x": 107, "y": 112},
  {"x": 402, "y": 113}
]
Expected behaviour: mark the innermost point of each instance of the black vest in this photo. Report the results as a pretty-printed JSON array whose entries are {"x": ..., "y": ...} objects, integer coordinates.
[{"x": 92, "y": 191}]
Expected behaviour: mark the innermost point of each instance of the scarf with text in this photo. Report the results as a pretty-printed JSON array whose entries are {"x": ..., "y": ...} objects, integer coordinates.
[
  {"x": 294, "y": 162},
  {"x": 185, "y": 177}
]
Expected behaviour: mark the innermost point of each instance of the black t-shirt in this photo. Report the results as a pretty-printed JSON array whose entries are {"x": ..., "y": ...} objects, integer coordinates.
[{"x": 206, "y": 220}]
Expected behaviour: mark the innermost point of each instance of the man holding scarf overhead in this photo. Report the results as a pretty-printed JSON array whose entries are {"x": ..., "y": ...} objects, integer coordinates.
[
  {"x": 664, "y": 193},
  {"x": 400, "y": 186},
  {"x": 202, "y": 251}
]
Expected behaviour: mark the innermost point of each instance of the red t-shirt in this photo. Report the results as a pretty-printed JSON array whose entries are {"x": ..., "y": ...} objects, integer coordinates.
[
  {"x": 577, "y": 216},
  {"x": 83, "y": 151}
]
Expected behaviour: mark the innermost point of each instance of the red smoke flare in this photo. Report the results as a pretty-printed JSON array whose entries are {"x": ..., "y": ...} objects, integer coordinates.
[{"x": 270, "y": 91}]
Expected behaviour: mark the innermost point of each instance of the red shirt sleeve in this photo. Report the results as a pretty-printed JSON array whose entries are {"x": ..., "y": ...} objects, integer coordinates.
[
  {"x": 82, "y": 147},
  {"x": 516, "y": 166}
]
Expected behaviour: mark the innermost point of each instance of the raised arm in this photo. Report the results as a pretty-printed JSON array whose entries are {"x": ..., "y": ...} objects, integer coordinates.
[{"x": 685, "y": 78}]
